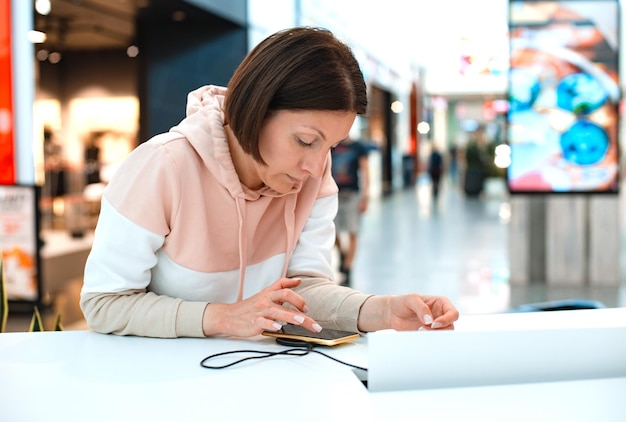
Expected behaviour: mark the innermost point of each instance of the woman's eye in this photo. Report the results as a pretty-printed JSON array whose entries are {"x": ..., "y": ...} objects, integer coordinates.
[{"x": 304, "y": 143}]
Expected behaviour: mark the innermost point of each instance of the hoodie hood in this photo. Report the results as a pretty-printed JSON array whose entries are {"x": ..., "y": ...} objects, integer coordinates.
[{"x": 203, "y": 127}]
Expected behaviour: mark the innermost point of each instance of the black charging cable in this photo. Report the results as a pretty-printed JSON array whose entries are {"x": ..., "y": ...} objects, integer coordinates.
[{"x": 300, "y": 348}]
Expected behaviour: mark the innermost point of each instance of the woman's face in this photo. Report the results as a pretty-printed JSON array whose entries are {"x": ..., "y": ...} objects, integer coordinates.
[{"x": 295, "y": 145}]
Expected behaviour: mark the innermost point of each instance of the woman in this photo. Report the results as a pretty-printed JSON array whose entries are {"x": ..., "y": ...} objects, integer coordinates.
[{"x": 224, "y": 225}]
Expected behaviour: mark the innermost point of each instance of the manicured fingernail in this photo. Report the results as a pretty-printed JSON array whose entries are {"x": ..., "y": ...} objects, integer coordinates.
[
  {"x": 436, "y": 325},
  {"x": 298, "y": 318},
  {"x": 305, "y": 309},
  {"x": 422, "y": 329},
  {"x": 277, "y": 326},
  {"x": 317, "y": 327},
  {"x": 428, "y": 319}
]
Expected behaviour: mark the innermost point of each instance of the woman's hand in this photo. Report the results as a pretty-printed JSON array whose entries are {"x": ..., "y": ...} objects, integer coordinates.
[
  {"x": 407, "y": 312},
  {"x": 263, "y": 311}
]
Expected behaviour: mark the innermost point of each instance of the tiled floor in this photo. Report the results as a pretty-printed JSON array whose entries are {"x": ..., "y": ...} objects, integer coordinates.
[{"x": 455, "y": 246}]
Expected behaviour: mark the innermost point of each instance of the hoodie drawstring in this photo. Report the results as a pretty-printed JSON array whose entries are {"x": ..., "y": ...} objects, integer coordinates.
[
  {"x": 290, "y": 217},
  {"x": 243, "y": 244}
]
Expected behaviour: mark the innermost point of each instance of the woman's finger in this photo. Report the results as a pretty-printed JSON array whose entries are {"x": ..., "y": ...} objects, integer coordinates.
[
  {"x": 443, "y": 310},
  {"x": 289, "y": 296},
  {"x": 281, "y": 313},
  {"x": 267, "y": 324},
  {"x": 420, "y": 308},
  {"x": 284, "y": 283}
]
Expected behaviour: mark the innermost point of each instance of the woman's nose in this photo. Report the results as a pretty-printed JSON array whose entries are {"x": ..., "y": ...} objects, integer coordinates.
[{"x": 314, "y": 165}]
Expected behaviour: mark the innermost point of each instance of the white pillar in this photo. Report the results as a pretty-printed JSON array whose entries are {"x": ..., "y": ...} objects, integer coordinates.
[
  {"x": 23, "y": 90},
  {"x": 565, "y": 240},
  {"x": 604, "y": 241},
  {"x": 566, "y": 258},
  {"x": 519, "y": 238}
]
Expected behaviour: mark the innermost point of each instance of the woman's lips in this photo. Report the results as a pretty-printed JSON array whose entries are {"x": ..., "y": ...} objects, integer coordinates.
[{"x": 295, "y": 180}]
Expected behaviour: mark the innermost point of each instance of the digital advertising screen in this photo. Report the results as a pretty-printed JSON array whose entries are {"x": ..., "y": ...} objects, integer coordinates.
[{"x": 563, "y": 91}]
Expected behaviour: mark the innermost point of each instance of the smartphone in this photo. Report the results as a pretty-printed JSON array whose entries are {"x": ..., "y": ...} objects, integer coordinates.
[{"x": 294, "y": 335}]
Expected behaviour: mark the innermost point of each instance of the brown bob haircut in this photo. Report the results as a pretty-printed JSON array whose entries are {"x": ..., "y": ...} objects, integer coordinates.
[{"x": 295, "y": 69}]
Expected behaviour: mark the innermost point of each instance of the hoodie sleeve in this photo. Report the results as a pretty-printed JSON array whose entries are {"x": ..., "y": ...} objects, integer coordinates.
[
  {"x": 332, "y": 306},
  {"x": 115, "y": 297}
]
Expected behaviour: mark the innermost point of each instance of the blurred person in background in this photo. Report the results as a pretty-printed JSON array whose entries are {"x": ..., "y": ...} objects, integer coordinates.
[
  {"x": 350, "y": 169},
  {"x": 435, "y": 169},
  {"x": 224, "y": 224}
]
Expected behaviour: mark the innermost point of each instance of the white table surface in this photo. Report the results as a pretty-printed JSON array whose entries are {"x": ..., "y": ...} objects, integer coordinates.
[{"x": 82, "y": 375}]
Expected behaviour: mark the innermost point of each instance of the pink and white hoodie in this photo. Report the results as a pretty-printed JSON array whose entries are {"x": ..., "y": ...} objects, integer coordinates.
[{"x": 177, "y": 230}]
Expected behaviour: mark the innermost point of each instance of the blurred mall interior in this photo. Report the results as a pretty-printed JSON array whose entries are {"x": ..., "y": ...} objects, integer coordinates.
[{"x": 92, "y": 79}]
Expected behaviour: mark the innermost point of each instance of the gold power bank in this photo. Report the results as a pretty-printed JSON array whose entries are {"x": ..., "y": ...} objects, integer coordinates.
[{"x": 326, "y": 337}]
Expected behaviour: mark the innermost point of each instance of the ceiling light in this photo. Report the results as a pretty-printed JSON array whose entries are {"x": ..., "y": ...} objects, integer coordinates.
[
  {"x": 43, "y": 7},
  {"x": 55, "y": 57},
  {"x": 423, "y": 128},
  {"x": 132, "y": 51},
  {"x": 36, "y": 37},
  {"x": 42, "y": 55},
  {"x": 397, "y": 107}
]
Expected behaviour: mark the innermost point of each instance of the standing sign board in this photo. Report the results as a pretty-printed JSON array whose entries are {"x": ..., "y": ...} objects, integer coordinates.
[{"x": 19, "y": 243}]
